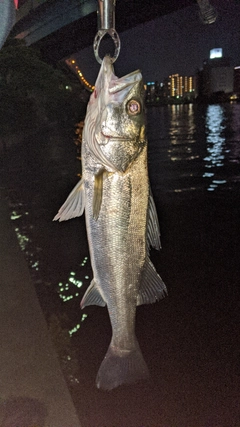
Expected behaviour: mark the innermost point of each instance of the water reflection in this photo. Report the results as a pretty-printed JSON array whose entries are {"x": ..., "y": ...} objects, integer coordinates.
[
  {"x": 20, "y": 215},
  {"x": 77, "y": 327},
  {"x": 234, "y": 140},
  {"x": 182, "y": 133},
  {"x": 194, "y": 147},
  {"x": 215, "y": 139},
  {"x": 182, "y": 148},
  {"x": 66, "y": 292},
  {"x": 61, "y": 325},
  {"x": 27, "y": 243}
]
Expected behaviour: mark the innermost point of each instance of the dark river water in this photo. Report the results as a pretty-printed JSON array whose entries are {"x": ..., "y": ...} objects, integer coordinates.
[{"x": 190, "y": 340}]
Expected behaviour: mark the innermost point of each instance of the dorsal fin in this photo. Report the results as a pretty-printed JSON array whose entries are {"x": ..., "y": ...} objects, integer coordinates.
[{"x": 153, "y": 230}]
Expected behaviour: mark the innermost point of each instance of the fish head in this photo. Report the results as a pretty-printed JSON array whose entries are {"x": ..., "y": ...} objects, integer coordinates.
[{"x": 120, "y": 119}]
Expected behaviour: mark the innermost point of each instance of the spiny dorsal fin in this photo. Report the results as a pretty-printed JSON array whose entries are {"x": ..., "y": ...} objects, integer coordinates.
[
  {"x": 153, "y": 230},
  {"x": 98, "y": 191},
  {"x": 74, "y": 204},
  {"x": 92, "y": 296},
  {"x": 152, "y": 287}
]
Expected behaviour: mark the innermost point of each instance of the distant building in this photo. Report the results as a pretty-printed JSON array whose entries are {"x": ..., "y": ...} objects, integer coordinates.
[
  {"x": 221, "y": 79},
  {"x": 156, "y": 93},
  {"x": 182, "y": 86},
  {"x": 236, "y": 81},
  {"x": 216, "y": 53},
  {"x": 175, "y": 88},
  {"x": 216, "y": 77}
]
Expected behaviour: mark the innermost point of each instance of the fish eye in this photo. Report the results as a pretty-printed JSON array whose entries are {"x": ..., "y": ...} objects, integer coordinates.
[{"x": 133, "y": 107}]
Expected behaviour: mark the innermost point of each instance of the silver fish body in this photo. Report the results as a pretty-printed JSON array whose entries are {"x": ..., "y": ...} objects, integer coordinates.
[{"x": 121, "y": 218}]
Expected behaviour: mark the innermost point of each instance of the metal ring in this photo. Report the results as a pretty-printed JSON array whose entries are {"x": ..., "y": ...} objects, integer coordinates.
[{"x": 99, "y": 36}]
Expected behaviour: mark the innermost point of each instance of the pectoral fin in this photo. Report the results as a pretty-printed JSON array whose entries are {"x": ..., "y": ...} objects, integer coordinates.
[
  {"x": 152, "y": 287},
  {"x": 98, "y": 191},
  {"x": 92, "y": 296},
  {"x": 153, "y": 230},
  {"x": 74, "y": 204}
]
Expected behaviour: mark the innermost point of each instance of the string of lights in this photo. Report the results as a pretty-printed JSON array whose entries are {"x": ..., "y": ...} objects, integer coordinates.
[{"x": 75, "y": 68}]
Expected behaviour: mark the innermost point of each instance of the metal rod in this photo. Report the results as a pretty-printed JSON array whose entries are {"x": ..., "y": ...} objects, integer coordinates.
[{"x": 106, "y": 14}]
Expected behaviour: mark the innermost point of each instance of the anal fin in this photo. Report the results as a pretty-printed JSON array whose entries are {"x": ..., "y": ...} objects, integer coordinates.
[{"x": 92, "y": 296}]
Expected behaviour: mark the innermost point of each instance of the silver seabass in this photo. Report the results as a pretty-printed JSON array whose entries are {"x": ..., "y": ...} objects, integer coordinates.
[{"x": 120, "y": 215}]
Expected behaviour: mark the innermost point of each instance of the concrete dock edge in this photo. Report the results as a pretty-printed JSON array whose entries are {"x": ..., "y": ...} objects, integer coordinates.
[{"x": 33, "y": 391}]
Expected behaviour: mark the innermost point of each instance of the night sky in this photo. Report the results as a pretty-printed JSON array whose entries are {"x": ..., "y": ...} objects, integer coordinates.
[{"x": 175, "y": 43}]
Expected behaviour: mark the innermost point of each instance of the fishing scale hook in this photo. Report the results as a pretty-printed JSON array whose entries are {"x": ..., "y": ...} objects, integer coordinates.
[{"x": 106, "y": 25}]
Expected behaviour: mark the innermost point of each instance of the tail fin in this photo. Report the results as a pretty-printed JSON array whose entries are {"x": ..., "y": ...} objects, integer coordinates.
[{"x": 121, "y": 367}]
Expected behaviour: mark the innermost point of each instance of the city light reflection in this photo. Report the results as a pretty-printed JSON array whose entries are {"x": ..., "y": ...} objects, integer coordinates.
[
  {"x": 215, "y": 144},
  {"x": 14, "y": 216},
  {"x": 77, "y": 327},
  {"x": 182, "y": 133},
  {"x": 23, "y": 233},
  {"x": 182, "y": 149},
  {"x": 67, "y": 291},
  {"x": 22, "y": 239}
]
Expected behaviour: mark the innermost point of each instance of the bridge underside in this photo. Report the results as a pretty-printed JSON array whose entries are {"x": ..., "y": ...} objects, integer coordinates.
[{"x": 80, "y": 33}]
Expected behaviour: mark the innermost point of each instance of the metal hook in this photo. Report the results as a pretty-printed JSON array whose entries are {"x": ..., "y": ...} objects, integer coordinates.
[
  {"x": 106, "y": 26},
  {"x": 99, "y": 36}
]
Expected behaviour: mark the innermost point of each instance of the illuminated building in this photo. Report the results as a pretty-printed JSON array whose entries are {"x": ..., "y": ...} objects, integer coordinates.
[
  {"x": 216, "y": 76},
  {"x": 181, "y": 86},
  {"x": 216, "y": 53},
  {"x": 155, "y": 93},
  {"x": 175, "y": 88}
]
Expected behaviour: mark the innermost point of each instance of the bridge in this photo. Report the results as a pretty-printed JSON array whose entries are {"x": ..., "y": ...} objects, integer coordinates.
[{"x": 60, "y": 28}]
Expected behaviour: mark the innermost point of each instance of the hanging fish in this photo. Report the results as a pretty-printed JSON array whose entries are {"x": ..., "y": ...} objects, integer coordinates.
[{"x": 121, "y": 217}]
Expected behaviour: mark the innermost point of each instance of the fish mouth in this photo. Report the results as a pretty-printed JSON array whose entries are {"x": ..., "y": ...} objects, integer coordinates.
[
  {"x": 104, "y": 139},
  {"x": 117, "y": 138}
]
